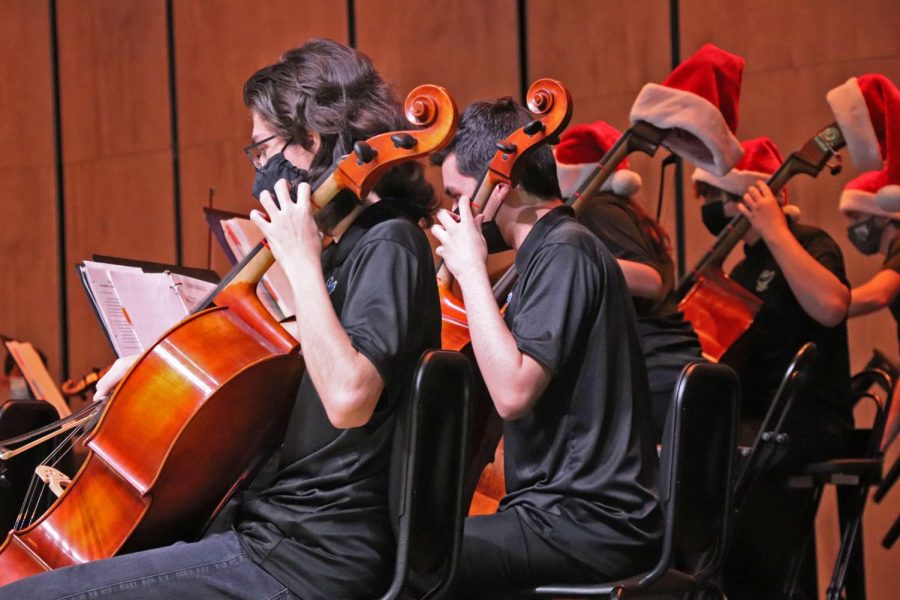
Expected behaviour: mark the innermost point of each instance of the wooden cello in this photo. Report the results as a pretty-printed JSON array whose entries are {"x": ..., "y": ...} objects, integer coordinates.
[
  {"x": 208, "y": 400},
  {"x": 720, "y": 309}
]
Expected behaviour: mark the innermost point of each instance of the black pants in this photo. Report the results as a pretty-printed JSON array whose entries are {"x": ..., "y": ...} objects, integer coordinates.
[{"x": 501, "y": 554}]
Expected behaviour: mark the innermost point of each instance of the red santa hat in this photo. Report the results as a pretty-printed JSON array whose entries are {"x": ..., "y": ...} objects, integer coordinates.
[
  {"x": 760, "y": 161},
  {"x": 867, "y": 109},
  {"x": 699, "y": 100},
  {"x": 579, "y": 150},
  {"x": 859, "y": 195}
]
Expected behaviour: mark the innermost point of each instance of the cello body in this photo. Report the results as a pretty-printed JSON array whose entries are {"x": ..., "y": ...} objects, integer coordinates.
[{"x": 213, "y": 397}]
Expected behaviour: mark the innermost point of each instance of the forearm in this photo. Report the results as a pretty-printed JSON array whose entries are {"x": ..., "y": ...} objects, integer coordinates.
[
  {"x": 346, "y": 381},
  {"x": 875, "y": 294},
  {"x": 643, "y": 280},
  {"x": 819, "y": 292},
  {"x": 508, "y": 379}
]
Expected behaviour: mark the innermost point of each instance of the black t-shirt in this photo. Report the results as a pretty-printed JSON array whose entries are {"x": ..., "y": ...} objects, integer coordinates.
[
  {"x": 892, "y": 262},
  {"x": 667, "y": 339},
  {"x": 583, "y": 453},
  {"x": 611, "y": 218},
  {"x": 322, "y": 526},
  {"x": 764, "y": 352}
]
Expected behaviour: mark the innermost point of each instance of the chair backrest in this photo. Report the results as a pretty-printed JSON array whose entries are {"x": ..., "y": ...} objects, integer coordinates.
[
  {"x": 427, "y": 471},
  {"x": 771, "y": 432},
  {"x": 696, "y": 468}
]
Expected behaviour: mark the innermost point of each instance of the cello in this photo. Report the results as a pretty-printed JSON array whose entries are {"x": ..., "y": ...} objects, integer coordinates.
[
  {"x": 191, "y": 409},
  {"x": 719, "y": 309}
]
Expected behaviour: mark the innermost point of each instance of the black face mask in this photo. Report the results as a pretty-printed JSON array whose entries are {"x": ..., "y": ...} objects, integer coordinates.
[
  {"x": 714, "y": 217},
  {"x": 277, "y": 167},
  {"x": 865, "y": 236},
  {"x": 495, "y": 241}
]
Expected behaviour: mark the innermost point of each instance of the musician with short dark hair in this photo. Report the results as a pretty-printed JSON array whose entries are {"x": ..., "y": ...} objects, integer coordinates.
[{"x": 565, "y": 372}]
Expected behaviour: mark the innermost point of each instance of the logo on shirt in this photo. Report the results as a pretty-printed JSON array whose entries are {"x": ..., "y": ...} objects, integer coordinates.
[
  {"x": 331, "y": 284},
  {"x": 764, "y": 279}
]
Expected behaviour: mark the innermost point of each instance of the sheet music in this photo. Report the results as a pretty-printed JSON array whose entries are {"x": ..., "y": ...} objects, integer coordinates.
[
  {"x": 112, "y": 314},
  {"x": 37, "y": 376},
  {"x": 189, "y": 290},
  {"x": 150, "y": 302}
]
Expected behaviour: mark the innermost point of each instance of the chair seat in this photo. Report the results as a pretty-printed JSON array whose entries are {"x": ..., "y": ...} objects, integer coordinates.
[{"x": 672, "y": 581}]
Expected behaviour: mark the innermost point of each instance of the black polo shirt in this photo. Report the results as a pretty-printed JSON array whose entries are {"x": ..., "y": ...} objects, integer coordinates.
[
  {"x": 892, "y": 262},
  {"x": 580, "y": 467},
  {"x": 764, "y": 352},
  {"x": 322, "y": 526}
]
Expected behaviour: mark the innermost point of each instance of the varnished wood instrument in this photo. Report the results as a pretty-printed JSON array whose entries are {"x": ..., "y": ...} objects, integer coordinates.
[{"x": 204, "y": 404}]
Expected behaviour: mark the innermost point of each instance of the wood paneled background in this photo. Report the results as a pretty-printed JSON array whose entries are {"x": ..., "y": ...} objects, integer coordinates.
[{"x": 119, "y": 120}]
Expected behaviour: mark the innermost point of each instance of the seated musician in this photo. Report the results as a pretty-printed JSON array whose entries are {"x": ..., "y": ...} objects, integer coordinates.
[
  {"x": 641, "y": 247},
  {"x": 565, "y": 372},
  {"x": 798, "y": 272},
  {"x": 321, "y": 528},
  {"x": 873, "y": 230}
]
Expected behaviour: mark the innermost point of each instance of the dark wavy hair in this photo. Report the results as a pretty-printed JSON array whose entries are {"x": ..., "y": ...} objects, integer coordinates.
[
  {"x": 485, "y": 123},
  {"x": 335, "y": 91}
]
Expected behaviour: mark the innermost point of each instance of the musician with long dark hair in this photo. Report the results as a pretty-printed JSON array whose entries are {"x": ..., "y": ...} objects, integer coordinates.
[
  {"x": 367, "y": 308},
  {"x": 641, "y": 247}
]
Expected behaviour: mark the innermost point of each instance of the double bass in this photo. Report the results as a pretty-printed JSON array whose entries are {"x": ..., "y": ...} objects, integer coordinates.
[
  {"x": 188, "y": 423},
  {"x": 719, "y": 309}
]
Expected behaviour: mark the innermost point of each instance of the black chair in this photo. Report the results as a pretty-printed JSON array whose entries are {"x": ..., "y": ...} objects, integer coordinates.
[
  {"x": 695, "y": 490},
  {"x": 427, "y": 472},
  {"x": 852, "y": 475},
  {"x": 771, "y": 442}
]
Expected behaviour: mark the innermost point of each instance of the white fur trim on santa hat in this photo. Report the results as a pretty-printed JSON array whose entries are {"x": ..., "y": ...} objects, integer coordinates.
[
  {"x": 888, "y": 199},
  {"x": 705, "y": 138},
  {"x": 571, "y": 177},
  {"x": 792, "y": 212},
  {"x": 735, "y": 182},
  {"x": 849, "y": 108},
  {"x": 863, "y": 202}
]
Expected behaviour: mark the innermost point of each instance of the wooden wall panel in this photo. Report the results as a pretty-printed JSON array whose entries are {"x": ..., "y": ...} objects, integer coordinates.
[
  {"x": 29, "y": 285},
  {"x": 218, "y": 45},
  {"x": 795, "y": 53},
  {"x": 116, "y": 146},
  {"x": 604, "y": 51}
]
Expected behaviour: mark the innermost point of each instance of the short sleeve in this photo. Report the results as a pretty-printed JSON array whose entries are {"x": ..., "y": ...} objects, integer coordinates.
[
  {"x": 615, "y": 228},
  {"x": 824, "y": 249},
  {"x": 892, "y": 260},
  {"x": 381, "y": 292},
  {"x": 559, "y": 294}
]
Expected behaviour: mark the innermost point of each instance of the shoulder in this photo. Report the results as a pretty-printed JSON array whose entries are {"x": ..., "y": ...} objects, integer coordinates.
[
  {"x": 399, "y": 232},
  {"x": 572, "y": 242},
  {"x": 813, "y": 237}
]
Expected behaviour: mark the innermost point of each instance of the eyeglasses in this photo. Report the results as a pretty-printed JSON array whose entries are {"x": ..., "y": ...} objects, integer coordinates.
[{"x": 255, "y": 151}]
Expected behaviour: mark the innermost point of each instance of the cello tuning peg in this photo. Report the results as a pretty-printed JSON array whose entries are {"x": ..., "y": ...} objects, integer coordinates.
[
  {"x": 533, "y": 128},
  {"x": 835, "y": 165},
  {"x": 404, "y": 140},
  {"x": 506, "y": 148},
  {"x": 364, "y": 153}
]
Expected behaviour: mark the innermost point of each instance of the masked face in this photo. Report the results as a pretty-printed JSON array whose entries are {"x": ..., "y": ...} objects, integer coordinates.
[
  {"x": 495, "y": 241},
  {"x": 277, "y": 167},
  {"x": 18, "y": 389},
  {"x": 865, "y": 236},
  {"x": 714, "y": 217}
]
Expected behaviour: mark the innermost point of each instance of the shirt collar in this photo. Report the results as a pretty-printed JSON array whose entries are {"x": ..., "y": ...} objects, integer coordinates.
[
  {"x": 538, "y": 232},
  {"x": 337, "y": 252}
]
